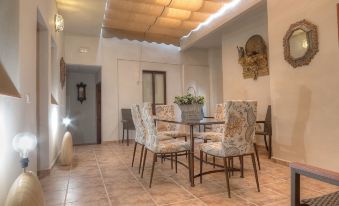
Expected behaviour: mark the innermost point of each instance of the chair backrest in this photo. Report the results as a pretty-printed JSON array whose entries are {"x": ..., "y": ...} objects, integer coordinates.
[
  {"x": 151, "y": 141},
  {"x": 165, "y": 112},
  {"x": 219, "y": 115},
  {"x": 139, "y": 127},
  {"x": 240, "y": 122},
  {"x": 268, "y": 121},
  {"x": 126, "y": 115}
]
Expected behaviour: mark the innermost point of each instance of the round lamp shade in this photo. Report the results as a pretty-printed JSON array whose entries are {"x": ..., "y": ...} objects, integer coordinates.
[
  {"x": 26, "y": 191},
  {"x": 66, "y": 154}
]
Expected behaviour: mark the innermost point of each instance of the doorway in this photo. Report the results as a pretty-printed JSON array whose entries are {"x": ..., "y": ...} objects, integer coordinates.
[{"x": 83, "y": 105}]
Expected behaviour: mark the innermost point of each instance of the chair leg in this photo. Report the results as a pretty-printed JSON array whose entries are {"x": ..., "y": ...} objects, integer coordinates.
[
  {"x": 154, "y": 158},
  {"x": 172, "y": 161},
  {"x": 123, "y": 135},
  {"x": 135, "y": 147},
  {"x": 142, "y": 152},
  {"x": 189, "y": 166},
  {"x": 143, "y": 164},
  {"x": 232, "y": 166},
  {"x": 256, "y": 154},
  {"x": 201, "y": 156},
  {"x": 265, "y": 142},
  {"x": 241, "y": 166},
  {"x": 255, "y": 171},
  {"x": 176, "y": 162},
  {"x": 127, "y": 138},
  {"x": 205, "y": 141},
  {"x": 227, "y": 178},
  {"x": 270, "y": 146}
]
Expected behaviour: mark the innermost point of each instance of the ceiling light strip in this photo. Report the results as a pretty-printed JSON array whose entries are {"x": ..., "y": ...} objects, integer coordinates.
[{"x": 211, "y": 18}]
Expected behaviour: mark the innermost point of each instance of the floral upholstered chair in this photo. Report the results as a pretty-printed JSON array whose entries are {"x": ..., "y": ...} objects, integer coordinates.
[
  {"x": 140, "y": 132},
  {"x": 237, "y": 141},
  {"x": 167, "y": 112},
  {"x": 217, "y": 129},
  {"x": 157, "y": 147}
]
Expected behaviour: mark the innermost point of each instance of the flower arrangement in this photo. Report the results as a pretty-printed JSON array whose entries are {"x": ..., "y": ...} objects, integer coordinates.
[{"x": 189, "y": 99}]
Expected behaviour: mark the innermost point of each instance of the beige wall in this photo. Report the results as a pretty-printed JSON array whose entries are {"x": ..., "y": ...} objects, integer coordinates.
[
  {"x": 216, "y": 78},
  {"x": 18, "y": 55},
  {"x": 305, "y": 100},
  {"x": 122, "y": 62},
  {"x": 234, "y": 85}
]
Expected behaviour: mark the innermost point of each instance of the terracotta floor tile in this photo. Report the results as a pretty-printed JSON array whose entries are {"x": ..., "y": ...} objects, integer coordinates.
[
  {"x": 87, "y": 194},
  {"x": 55, "y": 198},
  {"x": 193, "y": 202},
  {"x": 99, "y": 168},
  {"x": 222, "y": 199},
  {"x": 263, "y": 197}
]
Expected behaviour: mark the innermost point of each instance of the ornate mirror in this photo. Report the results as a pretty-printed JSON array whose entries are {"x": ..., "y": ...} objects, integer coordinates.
[{"x": 301, "y": 43}]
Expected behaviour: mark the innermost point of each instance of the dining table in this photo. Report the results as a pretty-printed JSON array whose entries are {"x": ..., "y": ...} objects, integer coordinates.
[{"x": 192, "y": 124}]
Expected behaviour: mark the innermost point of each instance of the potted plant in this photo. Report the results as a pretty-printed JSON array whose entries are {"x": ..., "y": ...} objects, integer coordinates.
[{"x": 190, "y": 106}]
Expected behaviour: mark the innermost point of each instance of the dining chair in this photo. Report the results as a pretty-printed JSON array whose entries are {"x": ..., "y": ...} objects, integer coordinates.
[
  {"x": 267, "y": 131},
  {"x": 140, "y": 132},
  {"x": 169, "y": 129},
  {"x": 237, "y": 141},
  {"x": 127, "y": 124},
  {"x": 157, "y": 147}
]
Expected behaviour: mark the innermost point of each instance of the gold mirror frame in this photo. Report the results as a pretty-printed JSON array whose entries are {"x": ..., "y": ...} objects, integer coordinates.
[{"x": 312, "y": 33}]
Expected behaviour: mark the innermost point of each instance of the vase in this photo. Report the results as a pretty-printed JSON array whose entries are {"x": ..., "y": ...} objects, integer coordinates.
[{"x": 191, "y": 112}]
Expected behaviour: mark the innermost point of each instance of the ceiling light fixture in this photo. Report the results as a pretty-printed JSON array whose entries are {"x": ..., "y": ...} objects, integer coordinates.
[
  {"x": 59, "y": 23},
  {"x": 220, "y": 12}
]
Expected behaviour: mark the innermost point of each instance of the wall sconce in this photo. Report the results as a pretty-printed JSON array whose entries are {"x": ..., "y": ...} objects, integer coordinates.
[
  {"x": 81, "y": 92},
  {"x": 59, "y": 23},
  {"x": 24, "y": 143}
]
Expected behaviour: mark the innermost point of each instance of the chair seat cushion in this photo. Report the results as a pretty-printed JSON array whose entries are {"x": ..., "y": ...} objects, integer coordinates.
[
  {"x": 171, "y": 146},
  {"x": 219, "y": 149},
  {"x": 213, "y": 136},
  {"x": 173, "y": 134}
]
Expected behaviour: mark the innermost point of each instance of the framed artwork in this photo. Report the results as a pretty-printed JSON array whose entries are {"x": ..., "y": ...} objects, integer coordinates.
[{"x": 62, "y": 72}]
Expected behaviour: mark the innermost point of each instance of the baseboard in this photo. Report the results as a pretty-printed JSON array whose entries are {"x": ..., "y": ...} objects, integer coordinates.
[
  {"x": 43, "y": 173},
  {"x": 281, "y": 161}
]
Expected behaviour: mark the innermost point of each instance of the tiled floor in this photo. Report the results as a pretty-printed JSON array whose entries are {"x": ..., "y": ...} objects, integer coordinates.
[{"x": 102, "y": 175}]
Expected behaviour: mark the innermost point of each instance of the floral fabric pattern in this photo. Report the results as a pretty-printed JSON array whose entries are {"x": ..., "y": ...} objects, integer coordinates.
[
  {"x": 153, "y": 142},
  {"x": 217, "y": 129},
  {"x": 139, "y": 127},
  {"x": 165, "y": 112},
  {"x": 240, "y": 122}
]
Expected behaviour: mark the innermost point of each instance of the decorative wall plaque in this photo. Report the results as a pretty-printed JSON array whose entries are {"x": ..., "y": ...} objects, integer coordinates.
[
  {"x": 253, "y": 58},
  {"x": 62, "y": 72}
]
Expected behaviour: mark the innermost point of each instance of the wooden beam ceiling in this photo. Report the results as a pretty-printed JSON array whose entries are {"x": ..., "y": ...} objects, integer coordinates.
[{"x": 161, "y": 21}]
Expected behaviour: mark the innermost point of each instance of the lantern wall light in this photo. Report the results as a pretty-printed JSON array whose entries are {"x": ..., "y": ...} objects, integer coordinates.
[{"x": 59, "y": 23}]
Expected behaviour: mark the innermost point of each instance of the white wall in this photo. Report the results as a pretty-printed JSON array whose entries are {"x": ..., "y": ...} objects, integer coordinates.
[
  {"x": 305, "y": 100},
  {"x": 216, "y": 78},
  {"x": 83, "y": 127},
  {"x": 234, "y": 85},
  {"x": 18, "y": 55},
  {"x": 122, "y": 62}
]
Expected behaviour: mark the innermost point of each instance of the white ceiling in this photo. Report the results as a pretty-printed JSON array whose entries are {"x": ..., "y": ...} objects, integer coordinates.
[
  {"x": 82, "y": 16},
  {"x": 214, "y": 38}
]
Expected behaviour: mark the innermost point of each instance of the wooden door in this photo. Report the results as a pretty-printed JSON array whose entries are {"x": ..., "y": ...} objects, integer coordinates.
[{"x": 98, "y": 106}]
